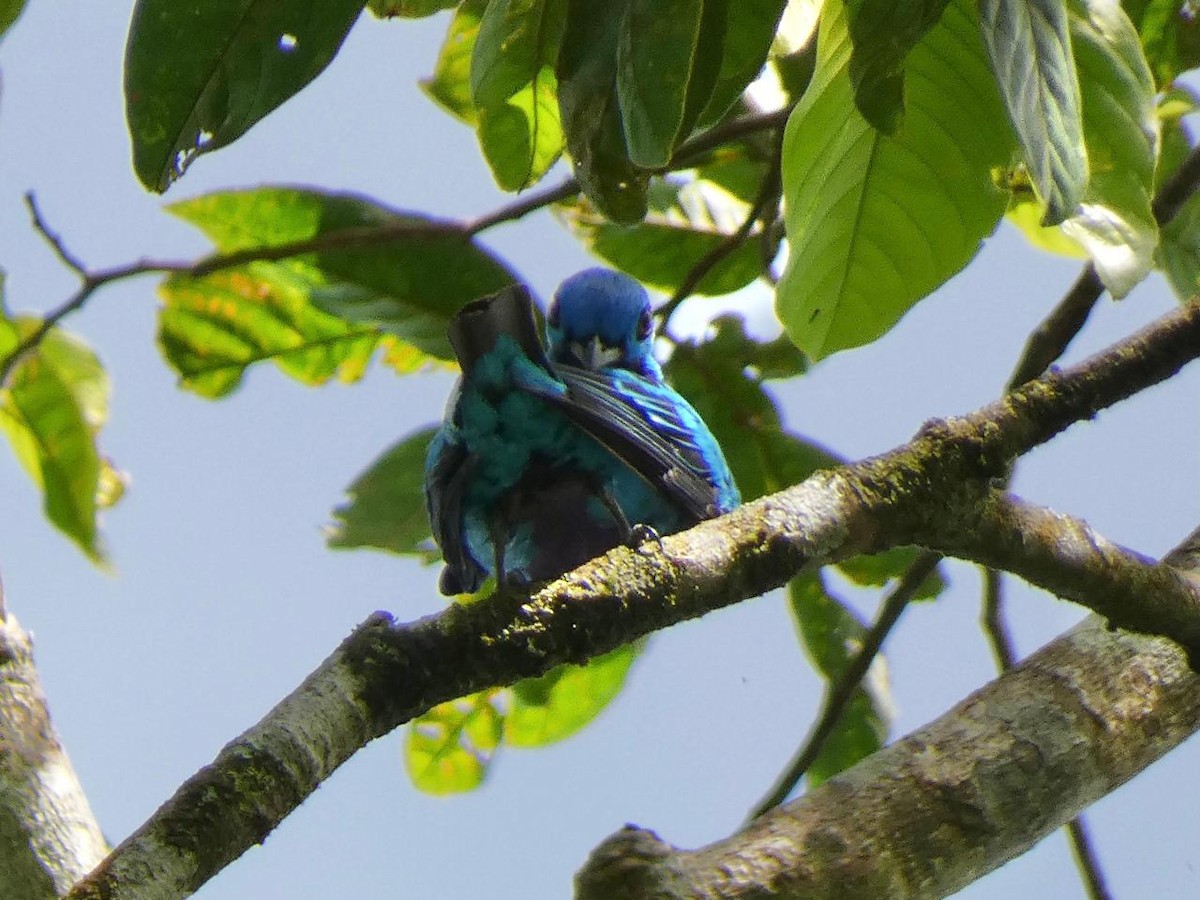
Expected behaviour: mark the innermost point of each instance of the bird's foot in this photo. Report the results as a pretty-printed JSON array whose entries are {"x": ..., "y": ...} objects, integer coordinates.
[{"x": 641, "y": 534}]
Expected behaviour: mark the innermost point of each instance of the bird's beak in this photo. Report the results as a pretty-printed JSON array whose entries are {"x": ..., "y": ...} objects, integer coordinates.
[{"x": 592, "y": 354}]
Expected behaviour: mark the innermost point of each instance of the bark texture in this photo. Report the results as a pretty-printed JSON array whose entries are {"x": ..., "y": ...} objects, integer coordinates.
[
  {"x": 947, "y": 804},
  {"x": 49, "y": 838}
]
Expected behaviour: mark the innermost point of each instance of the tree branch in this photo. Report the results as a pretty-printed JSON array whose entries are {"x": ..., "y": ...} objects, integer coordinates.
[
  {"x": 936, "y": 810},
  {"x": 385, "y": 674},
  {"x": 48, "y": 835}
]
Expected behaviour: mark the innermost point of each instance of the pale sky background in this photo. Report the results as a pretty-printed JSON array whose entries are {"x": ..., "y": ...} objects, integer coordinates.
[{"x": 224, "y": 595}]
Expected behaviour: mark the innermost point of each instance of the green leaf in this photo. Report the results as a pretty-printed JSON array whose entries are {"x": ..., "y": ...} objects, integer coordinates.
[
  {"x": 319, "y": 315},
  {"x": 832, "y": 635},
  {"x": 1029, "y": 44},
  {"x": 9, "y": 11},
  {"x": 1116, "y": 225},
  {"x": 51, "y": 409},
  {"x": 386, "y": 509},
  {"x": 517, "y": 40},
  {"x": 686, "y": 221},
  {"x": 450, "y": 85},
  {"x": 722, "y": 379},
  {"x": 1170, "y": 35},
  {"x": 198, "y": 75},
  {"x": 564, "y": 700},
  {"x": 749, "y": 30},
  {"x": 408, "y": 9},
  {"x": 668, "y": 57},
  {"x": 883, "y": 33},
  {"x": 589, "y": 110},
  {"x": 448, "y": 749},
  {"x": 878, "y": 569},
  {"x": 522, "y": 137},
  {"x": 876, "y": 222}
]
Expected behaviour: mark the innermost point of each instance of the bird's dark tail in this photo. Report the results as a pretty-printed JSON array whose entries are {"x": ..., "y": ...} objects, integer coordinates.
[{"x": 477, "y": 326}]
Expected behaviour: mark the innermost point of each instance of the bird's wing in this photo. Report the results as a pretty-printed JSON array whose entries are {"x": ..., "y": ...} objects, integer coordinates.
[
  {"x": 645, "y": 425},
  {"x": 447, "y": 470}
]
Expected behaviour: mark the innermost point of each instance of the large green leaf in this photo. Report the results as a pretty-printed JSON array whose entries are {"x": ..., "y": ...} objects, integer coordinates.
[
  {"x": 876, "y": 222},
  {"x": 51, "y": 408},
  {"x": 686, "y": 221},
  {"x": 565, "y": 699},
  {"x": 386, "y": 509},
  {"x": 668, "y": 57},
  {"x": 832, "y": 635},
  {"x": 449, "y": 748},
  {"x": 515, "y": 89},
  {"x": 883, "y": 33},
  {"x": 198, "y": 75},
  {"x": 1029, "y": 44},
  {"x": 1170, "y": 35},
  {"x": 322, "y": 314},
  {"x": 1116, "y": 225},
  {"x": 590, "y": 114},
  {"x": 749, "y": 30},
  {"x": 450, "y": 84}
]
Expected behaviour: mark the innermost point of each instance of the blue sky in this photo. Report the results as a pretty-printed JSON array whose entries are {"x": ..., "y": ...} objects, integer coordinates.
[{"x": 224, "y": 595}]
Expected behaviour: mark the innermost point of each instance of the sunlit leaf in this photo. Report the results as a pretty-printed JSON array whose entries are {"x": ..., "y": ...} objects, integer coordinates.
[
  {"x": 883, "y": 33},
  {"x": 319, "y": 315},
  {"x": 1115, "y": 224},
  {"x": 386, "y": 509},
  {"x": 832, "y": 635},
  {"x": 198, "y": 75},
  {"x": 51, "y": 407},
  {"x": 877, "y": 222},
  {"x": 450, "y": 84},
  {"x": 567, "y": 698},
  {"x": 448, "y": 749}
]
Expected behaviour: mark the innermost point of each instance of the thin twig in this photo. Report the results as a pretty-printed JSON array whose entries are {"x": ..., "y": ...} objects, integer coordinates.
[
  {"x": 841, "y": 692},
  {"x": 768, "y": 194},
  {"x": 39, "y": 225}
]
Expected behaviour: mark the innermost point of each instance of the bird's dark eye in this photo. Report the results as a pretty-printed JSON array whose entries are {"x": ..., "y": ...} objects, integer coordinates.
[
  {"x": 645, "y": 325},
  {"x": 553, "y": 316}
]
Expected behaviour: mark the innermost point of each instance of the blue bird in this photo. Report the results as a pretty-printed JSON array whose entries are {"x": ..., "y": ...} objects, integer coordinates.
[{"x": 548, "y": 459}]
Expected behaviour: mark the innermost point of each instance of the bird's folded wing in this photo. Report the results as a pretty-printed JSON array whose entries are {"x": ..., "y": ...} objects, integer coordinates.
[
  {"x": 448, "y": 471},
  {"x": 645, "y": 426}
]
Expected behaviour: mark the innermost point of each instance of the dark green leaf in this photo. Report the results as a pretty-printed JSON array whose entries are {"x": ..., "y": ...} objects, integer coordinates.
[
  {"x": 53, "y": 404},
  {"x": 198, "y": 75},
  {"x": 1179, "y": 251},
  {"x": 832, "y": 635},
  {"x": 564, "y": 700},
  {"x": 1029, "y": 44},
  {"x": 749, "y": 29},
  {"x": 668, "y": 57},
  {"x": 883, "y": 33},
  {"x": 878, "y": 569},
  {"x": 449, "y": 748},
  {"x": 591, "y": 118},
  {"x": 1115, "y": 226},
  {"x": 450, "y": 85},
  {"x": 877, "y": 222},
  {"x": 685, "y": 223},
  {"x": 322, "y": 314},
  {"x": 720, "y": 379},
  {"x": 408, "y": 9},
  {"x": 386, "y": 509},
  {"x": 9, "y": 10}
]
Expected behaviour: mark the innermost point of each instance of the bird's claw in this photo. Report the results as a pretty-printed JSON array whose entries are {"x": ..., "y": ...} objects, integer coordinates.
[{"x": 641, "y": 534}]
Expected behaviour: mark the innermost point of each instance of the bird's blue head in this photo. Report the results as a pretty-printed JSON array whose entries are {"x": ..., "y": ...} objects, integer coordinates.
[{"x": 602, "y": 319}]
